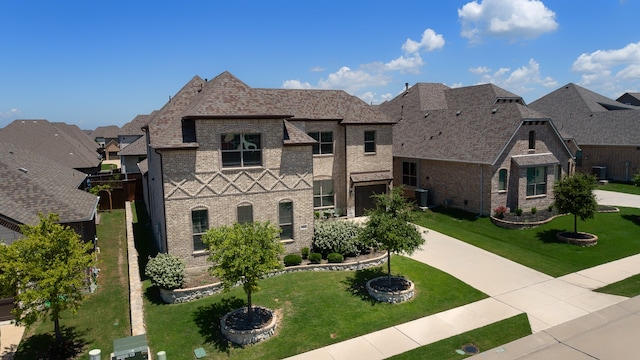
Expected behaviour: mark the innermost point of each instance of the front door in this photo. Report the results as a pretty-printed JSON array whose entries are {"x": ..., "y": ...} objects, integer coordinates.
[{"x": 364, "y": 200}]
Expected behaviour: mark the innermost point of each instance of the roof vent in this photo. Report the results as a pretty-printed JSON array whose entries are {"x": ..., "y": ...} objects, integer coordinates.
[
  {"x": 427, "y": 114},
  {"x": 458, "y": 112},
  {"x": 494, "y": 110},
  {"x": 23, "y": 170}
]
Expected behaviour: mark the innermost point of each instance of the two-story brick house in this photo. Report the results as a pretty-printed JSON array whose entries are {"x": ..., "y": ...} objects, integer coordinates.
[
  {"x": 475, "y": 148},
  {"x": 222, "y": 152}
]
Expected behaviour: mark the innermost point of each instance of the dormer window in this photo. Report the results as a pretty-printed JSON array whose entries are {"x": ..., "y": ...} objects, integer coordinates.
[
  {"x": 188, "y": 131},
  {"x": 532, "y": 140}
]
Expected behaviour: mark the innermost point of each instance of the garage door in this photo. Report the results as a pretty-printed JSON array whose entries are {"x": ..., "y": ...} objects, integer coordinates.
[{"x": 364, "y": 200}]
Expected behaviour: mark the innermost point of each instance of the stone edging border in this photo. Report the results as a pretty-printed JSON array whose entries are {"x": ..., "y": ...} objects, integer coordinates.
[
  {"x": 177, "y": 296},
  {"x": 528, "y": 225}
]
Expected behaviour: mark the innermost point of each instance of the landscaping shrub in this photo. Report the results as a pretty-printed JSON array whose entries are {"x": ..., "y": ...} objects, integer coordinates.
[
  {"x": 636, "y": 179},
  {"x": 550, "y": 208},
  {"x": 500, "y": 211},
  {"x": 315, "y": 258},
  {"x": 305, "y": 252},
  {"x": 335, "y": 258},
  {"x": 292, "y": 260},
  {"x": 534, "y": 210},
  {"x": 337, "y": 237},
  {"x": 518, "y": 212},
  {"x": 166, "y": 271}
]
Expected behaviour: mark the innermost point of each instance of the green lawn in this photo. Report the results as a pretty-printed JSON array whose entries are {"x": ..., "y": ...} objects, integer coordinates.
[
  {"x": 317, "y": 309},
  {"x": 629, "y": 287},
  {"x": 620, "y": 187},
  {"x": 104, "y": 316},
  {"x": 485, "y": 338},
  {"x": 537, "y": 248}
]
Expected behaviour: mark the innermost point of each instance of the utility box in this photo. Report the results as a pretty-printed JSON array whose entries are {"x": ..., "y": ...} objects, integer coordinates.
[
  {"x": 599, "y": 171},
  {"x": 422, "y": 196},
  {"x": 130, "y": 348}
]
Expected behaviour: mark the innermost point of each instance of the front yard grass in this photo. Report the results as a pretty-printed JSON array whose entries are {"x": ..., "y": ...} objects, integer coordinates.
[
  {"x": 104, "y": 316},
  {"x": 485, "y": 338},
  {"x": 620, "y": 187},
  {"x": 537, "y": 248},
  {"x": 629, "y": 287},
  {"x": 316, "y": 308}
]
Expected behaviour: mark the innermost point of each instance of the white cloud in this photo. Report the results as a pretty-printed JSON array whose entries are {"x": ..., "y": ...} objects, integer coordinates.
[
  {"x": 12, "y": 114},
  {"x": 296, "y": 84},
  {"x": 506, "y": 18},
  {"x": 352, "y": 80},
  {"x": 405, "y": 64},
  {"x": 479, "y": 70},
  {"x": 430, "y": 41},
  {"x": 521, "y": 80},
  {"x": 610, "y": 71},
  {"x": 317, "y": 69}
]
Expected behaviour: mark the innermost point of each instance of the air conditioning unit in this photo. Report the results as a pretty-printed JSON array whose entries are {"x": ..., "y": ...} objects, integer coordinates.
[
  {"x": 422, "y": 198},
  {"x": 130, "y": 348}
]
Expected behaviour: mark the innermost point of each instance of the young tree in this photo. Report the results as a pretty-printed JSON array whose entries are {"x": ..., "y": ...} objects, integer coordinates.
[
  {"x": 574, "y": 195},
  {"x": 389, "y": 226},
  {"x": 243, "y": 253},
  {"x": 47, "y": 269}
]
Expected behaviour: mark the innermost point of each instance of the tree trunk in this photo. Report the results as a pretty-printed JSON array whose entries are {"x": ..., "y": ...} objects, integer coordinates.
[
  {"x": 389, "y": 266},
  {"x": 575, "y": 224},
  {"x": 249, "y": 306},
  {"x": 56, "y": 324}
]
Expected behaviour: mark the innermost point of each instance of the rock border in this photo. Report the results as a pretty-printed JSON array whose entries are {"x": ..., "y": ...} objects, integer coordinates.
[
  {"x": 591, "y": 241},
  {"x": 505, "y": 224},
  {"x": 246, "y": 337},
  {"x": 178, "y": 296},
  {"x": 394, "y": 297}
]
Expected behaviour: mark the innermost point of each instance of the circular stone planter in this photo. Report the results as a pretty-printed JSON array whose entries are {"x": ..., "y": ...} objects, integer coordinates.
[
  {"x": 401, "y": 290},
  {"x": 246, "y": 335},
  {"x": 580, "y": 239}
]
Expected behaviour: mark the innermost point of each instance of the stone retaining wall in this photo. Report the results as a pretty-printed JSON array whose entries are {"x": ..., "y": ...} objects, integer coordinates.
[{"x": 185, "y": 295}]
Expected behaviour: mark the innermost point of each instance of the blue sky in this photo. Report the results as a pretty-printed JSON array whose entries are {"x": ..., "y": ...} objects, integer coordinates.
[{"x": 95, "y": 63}]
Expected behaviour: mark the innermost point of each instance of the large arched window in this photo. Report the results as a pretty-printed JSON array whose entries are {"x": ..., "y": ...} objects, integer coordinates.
[
  {"x": 285, "y": 219},
  {"x": 199, "y": 226},
  {"x": 245, "y": 213}
]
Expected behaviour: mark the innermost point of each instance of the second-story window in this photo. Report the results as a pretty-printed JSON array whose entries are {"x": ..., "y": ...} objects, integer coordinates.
[
  {"x": 325, "y": 142},
  {"x": 369, "y": 141},
  {"x": 532, "y": 139},
  {"x": 239, "y": 150}
]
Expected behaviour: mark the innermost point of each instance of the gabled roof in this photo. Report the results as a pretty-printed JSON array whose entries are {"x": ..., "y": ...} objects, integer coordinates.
[
  {"x": 138, "y": 147},
  {"x": 226, "y": 97},
  {"x": 107, "y": 132},
  {"x": 31, "y": 184},
  {"x": 630, "y": 98},
  {"x": 467, "y": 124},
  {"x": 63, "y": 143},
  {"x": 590, "y": 118},
  {"x": 134, "y": 127}
]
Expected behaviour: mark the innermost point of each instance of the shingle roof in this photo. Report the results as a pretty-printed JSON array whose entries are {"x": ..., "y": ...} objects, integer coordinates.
[
  {"x": 630, "y": 98},
  {"x": 138, "y": 147},
  {"x": 225, "y": 96},
  {"x": 134, "y": 127},
  {"x": 469, "y": 124},
  {"x": 590, "y": 118},
  {"x": 63, "y": 143},
  {"x": 107, "y": 132},
  {"x": 295, "y": 136},
  {"x": 31, "y": 184}
]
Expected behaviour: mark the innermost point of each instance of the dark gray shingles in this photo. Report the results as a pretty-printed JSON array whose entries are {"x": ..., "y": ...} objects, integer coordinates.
[
  {"x": 590, "y": 118},
  {"x": 138, "y": 147},
  {"x": 32, "y": 184},
  {"x": 134, "y": 127},
  {"x": 107, "y": 132}
]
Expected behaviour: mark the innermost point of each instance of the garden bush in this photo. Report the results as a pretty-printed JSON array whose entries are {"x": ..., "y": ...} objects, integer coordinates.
[
  {"x": 315, "y": 258},
  {"x": 337, "y": 237},
  {"x": 292, "y": 260},
  {"x": 534, "y": 210},
  {"x": 335, "y": 258},
  {"x": 305, "y": 252},
  {"x": 500, "y": 211},
  {"x": 166, "y": 271},
  {"x": 636, "y": 179},
  {"x": 518, "y": 212}
]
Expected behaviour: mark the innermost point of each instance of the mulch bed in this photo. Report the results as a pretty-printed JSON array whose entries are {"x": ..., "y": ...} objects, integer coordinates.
[
  {"x": 239, "y": 320},
  {"x": 396, "y": 284},
  {"x": 542, "y": 215}
]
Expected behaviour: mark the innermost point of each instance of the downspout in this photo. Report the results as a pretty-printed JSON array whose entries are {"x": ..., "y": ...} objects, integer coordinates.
[{"x": 481, "y": 190}]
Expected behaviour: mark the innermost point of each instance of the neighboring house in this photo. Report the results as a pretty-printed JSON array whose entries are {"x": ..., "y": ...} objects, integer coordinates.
[
  {"x": 606, "y": 131},
  {"x": 131, "y": 133},
  {"x": 111, "y": 151},
  {"x": 474, "y": 148},
  {"x": 105, "y": 134},
  {"x": 60, "y": 142},
  {"x": 131, "y": 155},
  {"x": 630, "y": 99},
  {"x": 33, "y": 184},
  {"x": 222, "y": 152}
]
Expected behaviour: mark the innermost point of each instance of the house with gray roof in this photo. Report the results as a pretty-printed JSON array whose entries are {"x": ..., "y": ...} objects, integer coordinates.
[
  {"x": 606, "y": 131},
  {"x": 630, "y": 98},
  {"x": 33, "y": 184},
  {"x": 62, "y": 143},
  {"x": 221, "y": 152},
  {"x": 104, "y": 134},
  {"x": 474, "y": 148}
]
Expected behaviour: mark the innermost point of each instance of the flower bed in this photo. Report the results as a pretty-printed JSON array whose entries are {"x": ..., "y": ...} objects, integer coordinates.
[{"x": 195, "y": 293}]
